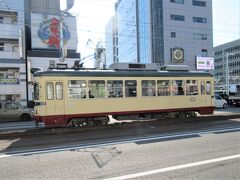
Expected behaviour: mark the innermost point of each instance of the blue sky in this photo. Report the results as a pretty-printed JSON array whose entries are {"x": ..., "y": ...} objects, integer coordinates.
[
  {"x": 93, "y": 15},
  {"x": 226, "y": 21}
]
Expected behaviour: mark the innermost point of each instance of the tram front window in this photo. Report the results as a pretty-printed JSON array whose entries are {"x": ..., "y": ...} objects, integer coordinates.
[{"x": 36, "y": 91}]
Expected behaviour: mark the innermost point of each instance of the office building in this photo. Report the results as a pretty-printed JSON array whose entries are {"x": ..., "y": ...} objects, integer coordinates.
[
  {"x": 12, "y": 63},
  {"x": 227, "y": 66},
  {"x": 164, "y": 31},
  {"x": 43, "y": 47}
]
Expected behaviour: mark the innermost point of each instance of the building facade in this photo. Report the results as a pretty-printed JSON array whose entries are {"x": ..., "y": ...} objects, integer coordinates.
[
  {"x": 227, "y": 66},
  {"x": 30, "y": 38},
  {"x": 43, "y": 48},
  {"x": 110, "y": 39},
  {"x": 12, "y": 63},
  {"x": 164, "y": 31}
]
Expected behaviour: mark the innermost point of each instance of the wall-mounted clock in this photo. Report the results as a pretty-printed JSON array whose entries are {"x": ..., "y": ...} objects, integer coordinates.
[{"x": 177, "y": 55}]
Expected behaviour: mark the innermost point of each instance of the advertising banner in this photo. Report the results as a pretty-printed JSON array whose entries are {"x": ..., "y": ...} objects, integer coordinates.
[
  {"x": 205, "y": 63},
  {"x": 45, "y": 31}
]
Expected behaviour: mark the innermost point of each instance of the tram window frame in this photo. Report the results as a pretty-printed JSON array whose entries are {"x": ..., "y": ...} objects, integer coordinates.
[
  {"x": 48, "y": 91},
  {"x": 164, "y": 87},
  {"x": 130, "y": 88},
  {"x": 77, "y": 90},
  {"x": 208, "y": 88},
  {"x": 115, "y": 88},
  {"x": 98, "y": 91},
  {"x": 202, "y": 87},
  {"x": 36, "y": 91},
  {"x": 191, "y": 87},
  {"x": 178, "y": 87},
  {"x": 59, "y": 92},
  {"x": 148, "y": 88}
]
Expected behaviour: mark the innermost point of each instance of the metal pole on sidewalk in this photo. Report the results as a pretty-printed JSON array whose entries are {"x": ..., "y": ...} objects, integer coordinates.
[{"x": 227, "y": 75}]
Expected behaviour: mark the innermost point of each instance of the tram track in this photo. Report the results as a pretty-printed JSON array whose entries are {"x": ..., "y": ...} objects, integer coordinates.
[
  {"x": 50, "y": 138},
  {"x": 121, "y": 124}
]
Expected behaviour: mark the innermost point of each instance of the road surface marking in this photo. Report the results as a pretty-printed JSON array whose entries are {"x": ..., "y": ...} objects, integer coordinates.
[{"x": 172, "y": 168}]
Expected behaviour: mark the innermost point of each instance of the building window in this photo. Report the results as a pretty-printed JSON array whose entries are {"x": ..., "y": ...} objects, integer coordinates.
[
  {"x": 177, "y": 17},
  {"x": 177, "y": 1},
  {"x": 173, "y": 34},
  {"x": 1, "y": 19},
  {"x": 197, "y": 36},
  {"x": 204, "y": 53},
  {"x": 199, "y": 3},
  {"x": 199, "y": 20}
]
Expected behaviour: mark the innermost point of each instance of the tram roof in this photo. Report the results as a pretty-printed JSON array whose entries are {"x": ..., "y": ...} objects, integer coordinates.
[{"x": 120, "y": 73}]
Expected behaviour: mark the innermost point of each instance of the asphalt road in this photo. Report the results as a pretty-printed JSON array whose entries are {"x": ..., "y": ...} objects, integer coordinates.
[
  {"x": 208, "y": 149},
  {"x": 208, "y": 155}
]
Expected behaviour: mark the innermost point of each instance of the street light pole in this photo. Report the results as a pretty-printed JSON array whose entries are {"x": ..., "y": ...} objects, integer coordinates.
[
  {"x": 62, "y": 58},
  {"x": 227, "y": 76}
]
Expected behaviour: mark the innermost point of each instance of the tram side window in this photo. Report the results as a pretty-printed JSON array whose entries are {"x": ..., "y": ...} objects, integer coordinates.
[
  {"x": 59, "y": 90},
  {"x": 163, "y": 87},
  {"x": 202, "y": 88},
  {"x": 131, "y": 88},
  {"x": 208, "y": 87},
  {"x": 191, "y": 87},
  {"x": 77, "y": 89},
  {"x": 178, "y": 87},
  {"x": 115, "y": 89},
  {"x": 97, "y": 89},
  {"x": 148, "y": 88},
  {"x": 50, "y": 91}
]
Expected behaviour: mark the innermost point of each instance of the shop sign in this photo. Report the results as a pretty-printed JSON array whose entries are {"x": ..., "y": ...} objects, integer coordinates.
[{"x": 9, "y": 81}]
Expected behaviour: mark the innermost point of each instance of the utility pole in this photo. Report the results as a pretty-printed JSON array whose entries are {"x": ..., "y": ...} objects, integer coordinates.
[
  {"x": 62, "y": 49},
  {"x": 227, "y": 75},
  {"x": 227, "y": 72}
]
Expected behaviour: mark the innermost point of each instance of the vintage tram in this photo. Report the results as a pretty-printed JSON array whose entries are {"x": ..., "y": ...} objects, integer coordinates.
[{"x": 71, "y": 97}]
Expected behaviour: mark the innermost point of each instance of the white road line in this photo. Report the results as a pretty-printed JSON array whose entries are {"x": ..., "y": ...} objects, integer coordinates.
[
  {"x": 116, "y": 142},
  {"x": 172, "y": 168}
]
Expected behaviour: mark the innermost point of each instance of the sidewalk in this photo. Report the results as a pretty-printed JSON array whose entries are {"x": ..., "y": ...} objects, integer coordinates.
[{"x": 227, "y": 111}]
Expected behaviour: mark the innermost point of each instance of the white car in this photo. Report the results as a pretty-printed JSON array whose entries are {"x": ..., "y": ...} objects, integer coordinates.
[
  {"x": 220, "y": 102},
  {"x": 14, "y": 111}
]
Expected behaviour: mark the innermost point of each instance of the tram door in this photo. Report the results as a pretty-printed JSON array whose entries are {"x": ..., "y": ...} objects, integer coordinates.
[{"x": 54, "y": 98}]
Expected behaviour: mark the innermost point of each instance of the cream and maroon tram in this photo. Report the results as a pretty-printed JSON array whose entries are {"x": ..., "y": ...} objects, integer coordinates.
[{"x": 87, "y": 97}]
